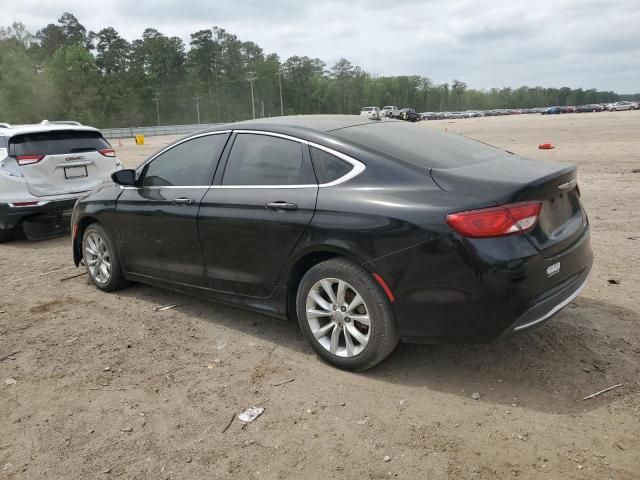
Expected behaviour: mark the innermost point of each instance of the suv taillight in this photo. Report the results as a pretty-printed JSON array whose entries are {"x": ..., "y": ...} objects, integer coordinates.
[
  {"x": 512, "y": 219},
  {"x": 28, "y": 159},
  {"x": 108, "y": 152}
]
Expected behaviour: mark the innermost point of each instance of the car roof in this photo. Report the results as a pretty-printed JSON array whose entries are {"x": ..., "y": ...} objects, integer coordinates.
[
  {"x": 12, "y": 130},
  {"x": 318, "y": 123}
]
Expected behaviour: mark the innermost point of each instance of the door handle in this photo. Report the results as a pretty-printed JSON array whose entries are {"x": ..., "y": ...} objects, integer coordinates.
[
  {"x": 183, "y": 201},
  {"x": 281, "y": 206}
]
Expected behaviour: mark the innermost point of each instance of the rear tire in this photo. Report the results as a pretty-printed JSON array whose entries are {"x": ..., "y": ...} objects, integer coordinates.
[
  {"x": 7, "y": 235},
  {"x": 353, "y": 334},
  {"x": 101, "y": 259}
]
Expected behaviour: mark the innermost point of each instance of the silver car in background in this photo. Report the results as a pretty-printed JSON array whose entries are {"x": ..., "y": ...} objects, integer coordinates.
[{"x": 44, "y": 168}]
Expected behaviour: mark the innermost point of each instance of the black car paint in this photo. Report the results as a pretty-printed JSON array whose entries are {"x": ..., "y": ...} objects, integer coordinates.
[{"x": 389, "y": 219}]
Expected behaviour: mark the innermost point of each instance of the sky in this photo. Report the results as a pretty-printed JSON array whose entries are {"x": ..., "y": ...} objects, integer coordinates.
[{"x": 485, "y": 43}]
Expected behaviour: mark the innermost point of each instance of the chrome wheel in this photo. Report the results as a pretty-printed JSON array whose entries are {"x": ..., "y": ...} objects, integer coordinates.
[
  {"x": 97, "y": 258},
  {"x": 338, "y": 317}
]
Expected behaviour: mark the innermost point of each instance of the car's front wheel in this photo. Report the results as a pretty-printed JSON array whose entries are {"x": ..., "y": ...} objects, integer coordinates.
[
  {"x": 101, "y": 259},
  {"x": 345, "y": 315}
]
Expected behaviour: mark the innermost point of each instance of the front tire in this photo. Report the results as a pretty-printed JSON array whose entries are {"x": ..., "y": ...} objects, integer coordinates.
[
  {"x": 101, "y": 259},
  {"x": 345, "y": 315}
]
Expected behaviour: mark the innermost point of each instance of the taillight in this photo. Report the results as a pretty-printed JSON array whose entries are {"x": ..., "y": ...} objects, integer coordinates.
[
  {"x": 28, "y": 159},
  {"x": 108, "y": 152},
  {"x": 513, "y": 219}
]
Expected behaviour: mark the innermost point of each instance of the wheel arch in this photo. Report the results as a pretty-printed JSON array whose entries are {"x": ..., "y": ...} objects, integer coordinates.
[
  {"x": 301, "y": 265},
  {"x": 78, "y": 234}
]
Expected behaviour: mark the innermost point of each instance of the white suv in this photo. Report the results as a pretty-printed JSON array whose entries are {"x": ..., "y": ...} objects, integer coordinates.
[
  {"x": 371, "y": 112},
  {"x": 624, "y": 105},
  {"x": 44, "y": 168}
]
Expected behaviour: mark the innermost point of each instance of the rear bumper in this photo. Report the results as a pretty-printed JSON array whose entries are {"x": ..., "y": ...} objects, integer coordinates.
[
  {"x": 457, "y": 290},
  {"x": 11, "y": 215}
]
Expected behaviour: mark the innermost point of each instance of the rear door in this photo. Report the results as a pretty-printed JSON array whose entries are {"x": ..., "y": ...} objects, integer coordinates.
[
  {"x": 61, "y": 162},
  {"x": 250, "y": 224},
  {"x": 157, "y": 221}
]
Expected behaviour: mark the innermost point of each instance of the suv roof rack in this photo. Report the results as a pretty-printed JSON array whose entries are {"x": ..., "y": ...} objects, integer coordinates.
[
  {"x": 60, "y": 122},
  {"x": 5, "y": 125}
]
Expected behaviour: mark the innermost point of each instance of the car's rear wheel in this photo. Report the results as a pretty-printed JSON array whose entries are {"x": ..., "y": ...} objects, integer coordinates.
[
  {"x": 345, "y": 315},
  {"x": 101, "y": 259},
  {"x": 7, "y": 235}
]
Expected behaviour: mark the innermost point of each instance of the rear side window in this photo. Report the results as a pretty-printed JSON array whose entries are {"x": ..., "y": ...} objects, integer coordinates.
[
  {"x": 266, "y": 160},
  {"x": 189, "y": 163},
  {"x": 3, "y": 142},
  {"x": 58, "y": 143},
  {"x": 328, "y": 167}
]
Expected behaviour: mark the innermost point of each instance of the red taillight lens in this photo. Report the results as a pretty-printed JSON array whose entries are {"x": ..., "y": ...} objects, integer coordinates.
[
  {"x": 28, "y": 159},
  {"x": 513, "y": 219},
  {"x": 108, "y": 152}
]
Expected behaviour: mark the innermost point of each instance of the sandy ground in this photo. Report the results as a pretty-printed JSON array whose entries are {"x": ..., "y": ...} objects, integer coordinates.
[{"x": 106, "y": 387}]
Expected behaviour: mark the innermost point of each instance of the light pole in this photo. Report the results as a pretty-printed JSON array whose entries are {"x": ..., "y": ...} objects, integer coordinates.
[
  {"x": 252, "y": 78},
  {"x": 155, "y": 99},
  {"x": 279, "y": 74},
  {"x": 197, "y": 99}
]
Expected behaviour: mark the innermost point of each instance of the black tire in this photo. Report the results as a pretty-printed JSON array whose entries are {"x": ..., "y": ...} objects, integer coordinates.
[
  {"x": 383, "y": 335},
  {"x": 7, "y": 235},
  {"x": 116, "y": 280}
]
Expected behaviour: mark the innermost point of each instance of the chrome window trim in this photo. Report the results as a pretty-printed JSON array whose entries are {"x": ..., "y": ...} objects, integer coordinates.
[
  {"x": 358, "y": 166},
  {"x": 173, "y": 145}
]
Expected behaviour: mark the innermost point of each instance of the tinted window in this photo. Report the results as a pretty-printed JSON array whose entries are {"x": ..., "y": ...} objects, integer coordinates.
[
  {"x": 58, "y": 142},
  {"x": 3, "y": 142},
  {"x": 328, "y": 167},
  {"x": 266, "y": 160},
  {"x": 187, "y": 164},
  {"x": 424, "y": 147}
]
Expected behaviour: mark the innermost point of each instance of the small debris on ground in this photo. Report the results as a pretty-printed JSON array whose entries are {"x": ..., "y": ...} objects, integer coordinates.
[
  {"x": 250, "y": 414},
  {"x": 283, "y": 382},
  {"x": 9, "y": 356},
  {"x": 613, "y": 281},
  {"x": 475, "y": 396},
  {"x": 386, "y": 458},
  {"x": 165, "y": 307},
  {"x": 546, "y": 146},
  {"x": 601, "y": 391},
  {"x": 10, "y": 381}
]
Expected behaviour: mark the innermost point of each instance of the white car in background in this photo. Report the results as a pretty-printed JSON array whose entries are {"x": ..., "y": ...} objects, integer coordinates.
[
  {"x": 624, "y": 105},
  {"x": 390, "y": 111},
  {"x": 44, "y": 168},
  {"x": 370, "y": 112}
]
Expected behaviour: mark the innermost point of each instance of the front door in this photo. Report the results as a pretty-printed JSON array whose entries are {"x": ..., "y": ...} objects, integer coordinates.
[
  {"x": 250, "y": 224},
  {"x": 158, "y": 219}
]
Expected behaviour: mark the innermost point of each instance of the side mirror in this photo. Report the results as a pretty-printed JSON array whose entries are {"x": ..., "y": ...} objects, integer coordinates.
[{"x": 126, "y": 178}]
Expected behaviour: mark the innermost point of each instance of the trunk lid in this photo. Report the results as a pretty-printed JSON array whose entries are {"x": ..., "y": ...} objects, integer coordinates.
[
  {"x": 511, "y": 179},
  {"x": 71, "y": 160}
]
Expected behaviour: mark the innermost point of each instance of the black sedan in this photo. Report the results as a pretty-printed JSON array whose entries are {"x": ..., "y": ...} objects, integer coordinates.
[
  {"x": 409, "y": 114},
  {"x": 365, "y": 231}
]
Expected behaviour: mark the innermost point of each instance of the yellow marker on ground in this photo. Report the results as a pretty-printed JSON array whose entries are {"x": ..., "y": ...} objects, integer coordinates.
[{"x": 139, "y": 139}]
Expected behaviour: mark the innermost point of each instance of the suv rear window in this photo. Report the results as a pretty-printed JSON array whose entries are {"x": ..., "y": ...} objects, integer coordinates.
[
  {"x": 58, "y": 142},
  {"x": 423, "y": 147}
]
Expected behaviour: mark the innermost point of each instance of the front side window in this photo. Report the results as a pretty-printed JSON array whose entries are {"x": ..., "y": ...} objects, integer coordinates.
[
  {"x": 267, "y": 160},
  {"x": 187, "y": 164}
]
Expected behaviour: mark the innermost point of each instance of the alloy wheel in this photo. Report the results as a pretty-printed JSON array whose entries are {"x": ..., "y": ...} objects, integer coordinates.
[
  {"x": 338, "y": 317},
  {"x": 98, "y": 258}
]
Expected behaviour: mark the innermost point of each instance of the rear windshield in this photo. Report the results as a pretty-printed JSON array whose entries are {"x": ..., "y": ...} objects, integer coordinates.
[
  {"x": 367, "y": 109},
  {"x": 59, "y": 142},
  {"x": 420, "y": 146}
]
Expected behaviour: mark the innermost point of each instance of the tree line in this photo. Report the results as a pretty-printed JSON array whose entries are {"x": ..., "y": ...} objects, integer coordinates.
[{"x": 63, "y": 71}]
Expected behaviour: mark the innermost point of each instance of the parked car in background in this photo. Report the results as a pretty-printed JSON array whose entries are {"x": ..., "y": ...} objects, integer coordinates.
[
  {"x": 589, "y": 108},
  {"x": 624, "y": 105},
  {"x": 44, "y": 169},
  {"x": 367, "y": 233},
  {"x": 370, "y": 112},
  {"x": 431, "y": 115},
  {"x": 552, "y": 111},
  {"x": 390, "y": 111},
  {"x": 409, "y": 114}
]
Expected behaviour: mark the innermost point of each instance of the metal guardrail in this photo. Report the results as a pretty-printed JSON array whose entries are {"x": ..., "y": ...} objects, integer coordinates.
[{"x": 154, "y": 131}]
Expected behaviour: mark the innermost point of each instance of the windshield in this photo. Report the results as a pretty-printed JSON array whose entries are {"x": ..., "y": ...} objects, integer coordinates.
[{"x": 58, "y": 142}]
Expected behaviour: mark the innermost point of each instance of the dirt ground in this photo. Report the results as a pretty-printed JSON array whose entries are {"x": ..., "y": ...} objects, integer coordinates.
[{"x": 107, "y": 387}]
